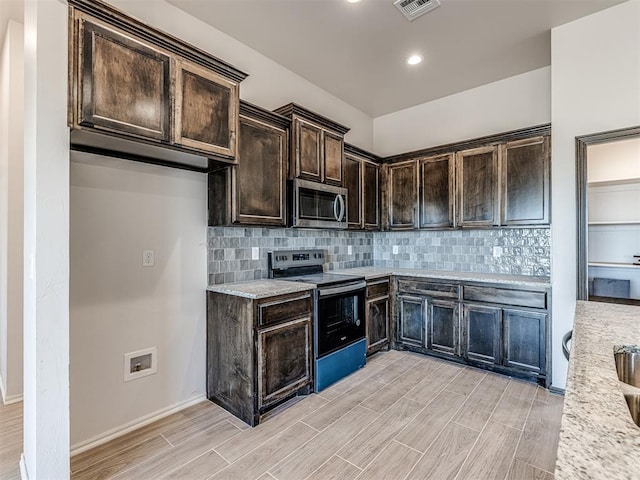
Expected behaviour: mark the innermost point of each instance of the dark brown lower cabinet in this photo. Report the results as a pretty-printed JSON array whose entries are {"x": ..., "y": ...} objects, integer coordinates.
[
  {"x": 284, "y": 360},
  {"x": 442, "y": 327},
  {"x": 411, "y": 326},
  {"x": 524, "y": 339},
  {"x": 377, "y": 315},
  {"x": 482, "y": 333},
  {"x": 496, "y": 327},
  {"x": 411, "y": 321},
  {"x": 259, "y": 351}
]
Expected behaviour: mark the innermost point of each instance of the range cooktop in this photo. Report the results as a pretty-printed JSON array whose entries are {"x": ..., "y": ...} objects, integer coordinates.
[
  {"x": 323, "y": 279},
  {"x": 305, "y": 266}
]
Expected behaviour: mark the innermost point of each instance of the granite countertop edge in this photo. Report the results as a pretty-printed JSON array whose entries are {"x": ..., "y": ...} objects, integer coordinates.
[
  {"x": 256, "y": 289},
  {"x": 266, "y": 287},
  {"x": 598, "y": 438},
  {"x": 518, "y": 280}
]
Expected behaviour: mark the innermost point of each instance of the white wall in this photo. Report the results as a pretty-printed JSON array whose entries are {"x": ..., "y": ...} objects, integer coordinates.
[
  {"x": 119, "y": 209},
  {"x": 11, "y": 211},
  {"x": 595, "y": 81},
  {"x": 46, "y": 243},
  {"x": 269, "y": 84},
  {"x": 614, "y": 161},
  {"x": 515, "y": 102}
]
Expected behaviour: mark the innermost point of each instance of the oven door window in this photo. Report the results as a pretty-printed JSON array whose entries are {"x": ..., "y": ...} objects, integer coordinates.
[{"x": 340, "y": 321}]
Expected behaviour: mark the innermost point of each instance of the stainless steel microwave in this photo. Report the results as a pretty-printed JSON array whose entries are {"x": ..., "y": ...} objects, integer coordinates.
[{"x": 317, "y": 205}]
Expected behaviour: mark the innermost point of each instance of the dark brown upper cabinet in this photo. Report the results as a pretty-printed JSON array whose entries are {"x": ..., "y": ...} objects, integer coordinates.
[
  {"x": 361, "y": 178},
  {"x": 206, "y": 110},
  {"x": 253, "y": 191},
  {"x": 437, "y": 191},
  {"x": 371, "y": 198},
  {"x": 353, "y": 171},
  {"x": 525, "y": 181},
  {"x": 142, "y": 86},
  {"x": 477, "y": 185},
  {"x": 402, "y": 195},
  {"x": 123, "y": 83},
  {"x": 317, "y": 145}
]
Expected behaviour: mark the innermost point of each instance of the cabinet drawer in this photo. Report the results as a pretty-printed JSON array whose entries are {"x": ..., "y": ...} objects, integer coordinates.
[
  {"x": 279, "y": 310},
  {"x": 378, "y": 288},
  {"x": 520, "y": 298},
  {"x": 428, "y": 288}
]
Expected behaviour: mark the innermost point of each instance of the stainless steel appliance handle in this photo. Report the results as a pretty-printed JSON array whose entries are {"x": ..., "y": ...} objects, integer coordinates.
[
  {"x": 324, "y": 292},
  {"x": 335, "y": 208},
  {"x": 341, "y": 200},
  {"x": 565, "y": 342}
]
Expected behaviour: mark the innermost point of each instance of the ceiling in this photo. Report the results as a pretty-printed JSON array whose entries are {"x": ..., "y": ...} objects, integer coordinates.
[{"x": 357, "y": 51}]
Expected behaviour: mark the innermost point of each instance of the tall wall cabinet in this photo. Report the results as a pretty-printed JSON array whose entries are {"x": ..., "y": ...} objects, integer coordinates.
[
  {"x": 253, "y": 192},
  {"x": 362, "y": 180}
]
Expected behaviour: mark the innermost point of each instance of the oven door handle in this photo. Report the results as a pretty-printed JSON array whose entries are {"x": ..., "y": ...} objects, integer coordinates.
[{"x": 324, "y": 292}]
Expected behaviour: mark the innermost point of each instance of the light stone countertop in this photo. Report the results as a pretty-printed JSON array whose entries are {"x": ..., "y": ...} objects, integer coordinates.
[
  {"x": 598, "y": 439},
  {"x": 515, "y": 280},
  {"x": 260, "y": 288}
]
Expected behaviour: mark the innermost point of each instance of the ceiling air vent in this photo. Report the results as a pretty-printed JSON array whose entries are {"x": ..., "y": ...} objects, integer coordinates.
[{"x": 412, "y": 9}]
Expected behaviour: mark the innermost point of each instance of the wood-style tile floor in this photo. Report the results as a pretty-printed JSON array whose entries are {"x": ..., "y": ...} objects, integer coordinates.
[
  {"x": 403, "y": 416},
  {"x": 10, "y": 440}
]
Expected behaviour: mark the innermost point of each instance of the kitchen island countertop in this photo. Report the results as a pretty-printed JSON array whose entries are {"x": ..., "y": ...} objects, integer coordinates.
[{"x": 598, "y": 439}]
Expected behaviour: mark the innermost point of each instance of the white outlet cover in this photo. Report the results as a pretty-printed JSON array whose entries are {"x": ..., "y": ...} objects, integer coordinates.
[
  {"x": 148, "y": 258},
  {"x": 497, "y": 251},
  {"x": 255, "y": 253},
  {"x": 349, "y": 250},
  {"x": 129, "y": 375},
  {"x": 395, "y": 249}
]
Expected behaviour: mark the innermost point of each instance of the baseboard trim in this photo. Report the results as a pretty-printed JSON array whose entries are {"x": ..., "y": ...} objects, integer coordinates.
[
  {"x": 8, "y": 400},
  {"x": 133, "y": 425},
  {"x": 23, "y": 468},
  {"x": 556, "y": 390},
  {"x": 12, "y": 399}
]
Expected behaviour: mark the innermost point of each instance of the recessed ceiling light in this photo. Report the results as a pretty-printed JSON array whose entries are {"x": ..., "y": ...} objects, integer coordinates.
[
  {"x": 353, "y": 1},
  {"x": 414, "y": 59}
]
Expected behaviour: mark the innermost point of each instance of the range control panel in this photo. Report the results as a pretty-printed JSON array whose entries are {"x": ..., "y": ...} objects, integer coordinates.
[{"x": 283, "y": 259}]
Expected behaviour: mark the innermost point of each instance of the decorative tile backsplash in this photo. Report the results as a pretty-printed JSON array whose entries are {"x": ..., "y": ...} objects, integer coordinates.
[
  {"x": 230, "y": 249},
  {"x": 515, "y": 251}
]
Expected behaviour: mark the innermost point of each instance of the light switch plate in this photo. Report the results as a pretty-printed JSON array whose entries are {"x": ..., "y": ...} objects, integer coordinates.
[
  {"x": 395, "y": 249},
  {"x": 255, "y": 253},
  {"x": 497, "y": 251},
  {"x": 349, "y": 250}
]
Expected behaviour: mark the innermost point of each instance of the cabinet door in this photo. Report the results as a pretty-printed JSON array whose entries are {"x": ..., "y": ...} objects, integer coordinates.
[
  {"x": 477, "y": 171},
  {"x": 353, "y": 183},
  {"x": 482, "y": 333},
  {"x": 206, "y": 113},
  {"x": 403, "y": 195},
  {"x": 307, "y": 149},
  {"x": 332, "y": 146},
  {"x": 524, "y": 339},
  {"x": 123, "y": 83},
  {"x": 525, "y": 182},
  {"x": 411, "y": 329},
  {"x": 284, "y": 360},
  {"x": 377, "y": 324},
  {"x": 260, "y": 174},
  {"x": 371, "y": 197},
  {"x": 436, "y": 191},
  {"x": 442, "y": 325}
]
